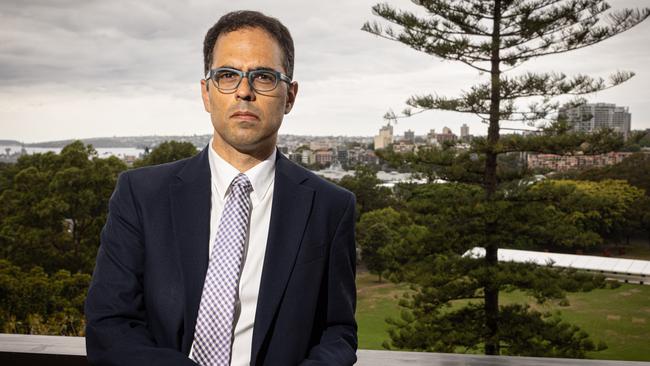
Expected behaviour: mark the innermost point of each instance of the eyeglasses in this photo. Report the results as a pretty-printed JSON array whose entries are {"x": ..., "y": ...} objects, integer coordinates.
[{"x": 264, "y": 80}]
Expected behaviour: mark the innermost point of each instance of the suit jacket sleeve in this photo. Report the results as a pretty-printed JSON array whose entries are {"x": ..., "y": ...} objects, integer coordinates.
[
  {"x": 116, "y": 330},
  {"x": 338, "y": 343}
]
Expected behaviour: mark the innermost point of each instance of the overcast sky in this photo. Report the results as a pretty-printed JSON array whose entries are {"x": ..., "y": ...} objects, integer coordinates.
[{"x": 94, "y": 68}]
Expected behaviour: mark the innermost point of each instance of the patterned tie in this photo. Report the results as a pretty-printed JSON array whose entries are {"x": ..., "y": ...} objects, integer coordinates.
[{"x": 214, "y": 325}]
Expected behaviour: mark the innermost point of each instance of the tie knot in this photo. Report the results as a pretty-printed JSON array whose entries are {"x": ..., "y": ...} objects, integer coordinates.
[{"x": 242, "y": 183}]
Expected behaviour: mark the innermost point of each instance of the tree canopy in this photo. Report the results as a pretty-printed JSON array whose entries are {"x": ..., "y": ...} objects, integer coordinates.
[
  {"x": 166, "y": 152},
  {"x": 33, "y": 302},
  {"x": 54, "y": 207},
  {"x": 381, "y": 232}
]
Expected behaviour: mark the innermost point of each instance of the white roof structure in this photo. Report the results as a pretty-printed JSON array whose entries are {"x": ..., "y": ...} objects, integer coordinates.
[{"x": 632, "y": 267}]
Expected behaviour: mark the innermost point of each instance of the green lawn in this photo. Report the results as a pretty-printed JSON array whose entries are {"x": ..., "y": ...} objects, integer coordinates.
[
  {"x": 620, "y": 317},
  {"x": 375, "y": 302}
]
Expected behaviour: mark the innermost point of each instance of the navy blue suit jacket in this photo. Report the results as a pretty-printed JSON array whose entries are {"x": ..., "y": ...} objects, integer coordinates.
[{"x": 144, "y": 297}]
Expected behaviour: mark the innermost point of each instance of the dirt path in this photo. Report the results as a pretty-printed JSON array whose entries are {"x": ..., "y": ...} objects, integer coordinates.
[{"x": 378, "y": 285}]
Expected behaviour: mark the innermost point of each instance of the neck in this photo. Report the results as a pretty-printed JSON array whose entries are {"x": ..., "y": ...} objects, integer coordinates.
[{"x": 242, "y": 160}]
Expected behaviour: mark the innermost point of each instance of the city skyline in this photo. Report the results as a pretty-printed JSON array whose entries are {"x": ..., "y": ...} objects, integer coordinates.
[{"x": 82, "y": 69}]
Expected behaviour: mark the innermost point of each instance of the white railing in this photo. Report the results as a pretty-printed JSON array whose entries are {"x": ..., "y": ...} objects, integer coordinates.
[{"x": 17, "y": 350}]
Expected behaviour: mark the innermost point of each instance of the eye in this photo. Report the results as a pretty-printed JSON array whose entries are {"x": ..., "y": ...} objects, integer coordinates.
[
  {"x": 226, "y": 75},
  {"x": 264, "y": 77}
]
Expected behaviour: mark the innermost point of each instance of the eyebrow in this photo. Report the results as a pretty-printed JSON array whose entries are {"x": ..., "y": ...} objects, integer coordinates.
[{"x": 259, "y": 68}]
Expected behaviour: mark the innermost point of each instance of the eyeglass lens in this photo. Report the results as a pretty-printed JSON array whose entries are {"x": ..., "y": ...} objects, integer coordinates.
[{"x": 261, "y": 80}]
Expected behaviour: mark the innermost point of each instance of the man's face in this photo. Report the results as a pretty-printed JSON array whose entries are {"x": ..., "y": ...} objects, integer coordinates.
[{"x": 244, "y": 119}]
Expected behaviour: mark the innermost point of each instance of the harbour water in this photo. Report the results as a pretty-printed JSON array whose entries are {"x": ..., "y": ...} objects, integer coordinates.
[{"x": 102, "y": 152}]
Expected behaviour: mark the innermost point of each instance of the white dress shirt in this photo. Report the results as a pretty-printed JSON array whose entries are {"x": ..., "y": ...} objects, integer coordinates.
[{"x": 262, "y": 177}]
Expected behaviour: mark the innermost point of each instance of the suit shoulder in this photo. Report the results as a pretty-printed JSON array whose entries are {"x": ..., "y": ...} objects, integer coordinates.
[
  {"x": 157, "y": 171},
  {"x": 154, "y": 177}
]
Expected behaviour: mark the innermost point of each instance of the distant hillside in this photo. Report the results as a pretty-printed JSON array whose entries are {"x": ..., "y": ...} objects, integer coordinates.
[
  {"x": 10, "y": 142},
  {"x": 140, "y": 142},
  {"x": 128, "y": 141}
]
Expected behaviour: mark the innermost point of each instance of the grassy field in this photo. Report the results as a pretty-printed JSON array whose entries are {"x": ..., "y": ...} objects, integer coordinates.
[
  {"x": 375, "y": 302},
  {"x": 620, "y": 317}
]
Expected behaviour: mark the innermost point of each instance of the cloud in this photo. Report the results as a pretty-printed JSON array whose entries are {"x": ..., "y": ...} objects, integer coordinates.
[
  {"x": 83, "y": 57},
  {"x": 107, "y": 42},
  {"x": 115, "y": 42}
]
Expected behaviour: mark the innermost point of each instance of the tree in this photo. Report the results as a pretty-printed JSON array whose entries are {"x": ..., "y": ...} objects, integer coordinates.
[
  {"x": 366, "y": 187},
  {"x": 379, "y": 232},
  {"x": 33, "y": 302},
  {"x": 634, "y": 169},
  {"x": 166, "y": 152},
  {"x": 560, "y": 215},
  {"x": 54, "y": 207},
  {"x": 637, "y": 140},
  {"x": 594, "y": 210},
  {"x": 488, "y": 36}
]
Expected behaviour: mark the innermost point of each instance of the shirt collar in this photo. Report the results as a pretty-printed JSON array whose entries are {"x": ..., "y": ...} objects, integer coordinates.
[{"x": 261, "y": 175}]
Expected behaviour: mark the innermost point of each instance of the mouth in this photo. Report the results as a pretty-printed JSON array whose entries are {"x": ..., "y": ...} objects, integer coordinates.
[{"x": 245, "y": 115}]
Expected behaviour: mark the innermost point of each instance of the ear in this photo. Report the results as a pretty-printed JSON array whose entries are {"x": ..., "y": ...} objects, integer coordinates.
[
  {"x": 205, "y": 95},
  {"x": 292, "y": 91}
]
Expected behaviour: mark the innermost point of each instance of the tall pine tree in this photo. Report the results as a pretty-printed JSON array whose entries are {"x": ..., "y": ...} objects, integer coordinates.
[{"x": 495, "y": 37}]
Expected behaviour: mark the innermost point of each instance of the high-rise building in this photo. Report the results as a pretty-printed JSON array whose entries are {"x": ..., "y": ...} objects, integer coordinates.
[
  {"x": 596, "y": 116},
  {"x": 446, "y": 130},
  {"x": 464, "y": 131},
  {"x": 409, "y": 136},
  {"x": 384, "y": 138}
]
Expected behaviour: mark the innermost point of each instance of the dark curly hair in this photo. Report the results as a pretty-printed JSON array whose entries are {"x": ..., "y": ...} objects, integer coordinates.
[{"x": 249, "y": 19}]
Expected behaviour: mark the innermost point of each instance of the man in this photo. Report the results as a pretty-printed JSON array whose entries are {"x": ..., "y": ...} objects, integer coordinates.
[{"x": 235, "y": 256}]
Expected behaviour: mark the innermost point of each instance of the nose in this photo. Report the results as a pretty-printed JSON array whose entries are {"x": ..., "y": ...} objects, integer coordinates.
[{"x": 244, "y": 90}]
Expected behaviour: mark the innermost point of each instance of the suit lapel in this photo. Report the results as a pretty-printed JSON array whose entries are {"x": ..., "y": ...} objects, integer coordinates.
[
  {"x": 289, "y": 214},
  {"x": 190, "y": 210}
]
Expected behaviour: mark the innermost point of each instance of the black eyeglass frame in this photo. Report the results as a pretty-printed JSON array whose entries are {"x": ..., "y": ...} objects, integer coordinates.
[{"x": 248, "y": 75}]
